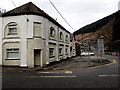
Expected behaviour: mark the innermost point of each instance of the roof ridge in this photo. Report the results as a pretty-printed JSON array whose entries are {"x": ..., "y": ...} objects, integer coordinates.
[
  {"x": 27, "y": 5},
  {"x": 31, "y": 9}
]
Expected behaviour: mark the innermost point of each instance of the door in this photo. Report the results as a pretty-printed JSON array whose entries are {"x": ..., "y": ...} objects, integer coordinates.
[{"x": 37, "y": 57}]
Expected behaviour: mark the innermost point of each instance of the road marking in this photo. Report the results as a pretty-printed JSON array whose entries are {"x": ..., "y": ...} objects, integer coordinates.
[
  {"x": 109, "y": 75},
  {"x": 48, "y": 72},
  {"x": 113, "y": 62},
  {"x": 69, "y": 72},
  {"x": 53, "y": 76}
]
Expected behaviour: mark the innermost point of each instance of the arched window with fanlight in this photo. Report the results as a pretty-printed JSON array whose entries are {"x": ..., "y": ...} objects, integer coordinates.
[
  {"x": 11, "y": 30},
  {"x": 52, "y": 32}
]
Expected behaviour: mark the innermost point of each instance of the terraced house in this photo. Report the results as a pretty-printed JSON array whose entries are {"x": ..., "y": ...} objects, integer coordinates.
[{"x": 29, "y": 37}]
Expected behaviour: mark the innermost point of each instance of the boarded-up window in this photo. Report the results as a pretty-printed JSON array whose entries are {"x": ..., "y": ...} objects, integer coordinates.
[{"x": 37, "y": 29}]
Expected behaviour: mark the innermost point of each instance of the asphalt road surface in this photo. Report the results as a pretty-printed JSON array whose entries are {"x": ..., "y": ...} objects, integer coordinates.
[{"x": 99, "y": 77}]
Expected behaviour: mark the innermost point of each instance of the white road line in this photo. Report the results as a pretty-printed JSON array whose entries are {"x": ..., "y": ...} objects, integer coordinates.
[
  {"x": 53, "y": 76},
  {"x": 69, "y": 72},
  {"x": 109, "y": 75}
]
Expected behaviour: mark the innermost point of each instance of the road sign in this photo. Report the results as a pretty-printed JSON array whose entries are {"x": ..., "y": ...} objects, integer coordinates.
[{"x": 100, "y": 44}]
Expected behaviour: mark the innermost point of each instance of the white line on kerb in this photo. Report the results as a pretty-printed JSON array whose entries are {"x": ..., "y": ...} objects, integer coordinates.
[
  {"x": 53, "y": 76},
  {"x": 108, "y": 75}
]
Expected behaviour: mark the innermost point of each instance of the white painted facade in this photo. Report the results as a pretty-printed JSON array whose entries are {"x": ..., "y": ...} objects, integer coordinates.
[
  {"x": 29, "y": 45},
  {"x": 1, "y": 41}
]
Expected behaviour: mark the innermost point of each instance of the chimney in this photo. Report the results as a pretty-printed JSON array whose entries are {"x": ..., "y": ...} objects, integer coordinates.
[{"x": 2, "y": 10}]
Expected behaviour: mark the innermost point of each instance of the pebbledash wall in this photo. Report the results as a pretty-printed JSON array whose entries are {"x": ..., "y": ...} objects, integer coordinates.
[{"x": 34, "y": 48}]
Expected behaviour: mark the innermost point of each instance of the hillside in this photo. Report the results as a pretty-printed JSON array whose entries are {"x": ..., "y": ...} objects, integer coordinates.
[
  {"x": 96, "y": 25},
  {"x": 109, "y": 27}
]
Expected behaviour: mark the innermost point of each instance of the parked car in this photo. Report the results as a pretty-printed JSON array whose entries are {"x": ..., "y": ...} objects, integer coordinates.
[{"x": 87, "y": 54}]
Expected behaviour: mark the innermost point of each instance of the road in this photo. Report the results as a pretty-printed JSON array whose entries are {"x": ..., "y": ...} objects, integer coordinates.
[{"x": 99, "y": 77}]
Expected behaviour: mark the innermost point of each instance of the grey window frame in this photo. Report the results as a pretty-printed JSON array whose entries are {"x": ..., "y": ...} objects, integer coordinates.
[
  {"x": 10, "y": 27},
  {"x": 52, "y": 32},
  {"x": 60, "y": 51},
  {"x": 12, "y": 50},
  {"x": 51, "y": 52}
]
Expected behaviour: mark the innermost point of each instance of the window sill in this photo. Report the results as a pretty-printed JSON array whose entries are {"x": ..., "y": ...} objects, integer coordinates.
[
  {"x": 61, "y": 55},
  {"x": 12, "y": 33},
  {"x": 12, "y": 38},
  {"x": 11, "y": 59},
  {"x": 52, "y": 36},
  {"x": 37, "y": 37},
  {"x": 52, "y": 57},
  {"x": 54, "y": 39}
]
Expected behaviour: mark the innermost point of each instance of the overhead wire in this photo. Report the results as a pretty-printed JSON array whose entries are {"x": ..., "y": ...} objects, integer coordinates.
[
  {"x": 61, "y": 15},
  {"x": 13, "y": 3},
  {"x": 16, "y": 7}
]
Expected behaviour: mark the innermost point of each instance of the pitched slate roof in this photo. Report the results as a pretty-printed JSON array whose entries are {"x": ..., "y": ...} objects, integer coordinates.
[{"x": 31, "y": 9}]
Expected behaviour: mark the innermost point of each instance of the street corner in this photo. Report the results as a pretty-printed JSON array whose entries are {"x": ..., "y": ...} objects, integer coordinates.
[{"x": 79, "y": 63}]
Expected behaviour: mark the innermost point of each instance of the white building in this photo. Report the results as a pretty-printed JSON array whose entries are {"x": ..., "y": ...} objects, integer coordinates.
[{"x": 30, "y": 37}]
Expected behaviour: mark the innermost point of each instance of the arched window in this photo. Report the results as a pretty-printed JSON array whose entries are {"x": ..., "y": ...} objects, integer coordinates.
[
  {"x": 52, "y": 32},
  {"x": 66, "y": 38},
  {"x": 61, "y": 36},
  {"x": 11, "y": 30}
]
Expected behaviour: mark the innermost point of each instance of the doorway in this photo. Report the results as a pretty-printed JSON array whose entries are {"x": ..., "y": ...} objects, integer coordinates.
[{"x": 37, "y": 57}]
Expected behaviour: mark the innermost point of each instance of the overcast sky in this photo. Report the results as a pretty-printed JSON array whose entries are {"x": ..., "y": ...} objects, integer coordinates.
[{"x": 78, "y": 13}]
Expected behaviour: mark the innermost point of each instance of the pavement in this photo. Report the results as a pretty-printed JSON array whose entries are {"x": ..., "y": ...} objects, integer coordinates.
[{"x": 68, "y": 64}]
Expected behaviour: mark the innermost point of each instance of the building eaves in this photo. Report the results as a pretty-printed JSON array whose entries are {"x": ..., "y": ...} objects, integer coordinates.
[{"x": 31, "y": 9}]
